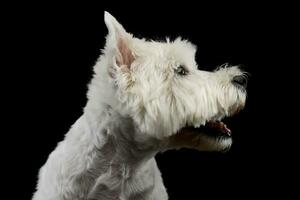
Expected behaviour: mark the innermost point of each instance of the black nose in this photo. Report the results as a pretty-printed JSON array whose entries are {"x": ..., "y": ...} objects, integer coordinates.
[{"x": 240, "y": 80}]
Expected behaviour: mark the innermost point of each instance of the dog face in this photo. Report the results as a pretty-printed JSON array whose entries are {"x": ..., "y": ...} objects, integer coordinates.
[{"x": 160, "y": 86}]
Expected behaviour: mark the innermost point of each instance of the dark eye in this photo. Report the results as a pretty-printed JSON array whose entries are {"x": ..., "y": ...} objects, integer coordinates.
[{"x": 181, "y": 70}]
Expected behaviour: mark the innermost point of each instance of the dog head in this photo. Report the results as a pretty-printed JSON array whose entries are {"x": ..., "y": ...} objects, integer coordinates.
[{"x": 159, "y": 85}]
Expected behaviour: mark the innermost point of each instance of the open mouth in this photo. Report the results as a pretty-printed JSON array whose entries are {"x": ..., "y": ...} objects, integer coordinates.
[
  {"x": 216, "y": 129},
  {"x": 214, "y": 135},
  {"x": 212, "y": 129}
]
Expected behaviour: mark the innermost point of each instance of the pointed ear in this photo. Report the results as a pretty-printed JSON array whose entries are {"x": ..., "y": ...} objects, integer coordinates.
[{"x": 118, "y": 42}]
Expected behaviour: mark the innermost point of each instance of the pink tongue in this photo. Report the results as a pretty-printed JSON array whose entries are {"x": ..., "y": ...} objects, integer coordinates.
[
  {"x": 227, "y": 130},
  {"x": 221, "y": 126}
]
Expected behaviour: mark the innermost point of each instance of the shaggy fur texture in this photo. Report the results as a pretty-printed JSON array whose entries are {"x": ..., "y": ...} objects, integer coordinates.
[{"x": 145, "y": 97}]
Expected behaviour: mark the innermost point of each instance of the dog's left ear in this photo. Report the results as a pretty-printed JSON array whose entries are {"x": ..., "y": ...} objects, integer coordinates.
[{"x": 118, "y": 42}]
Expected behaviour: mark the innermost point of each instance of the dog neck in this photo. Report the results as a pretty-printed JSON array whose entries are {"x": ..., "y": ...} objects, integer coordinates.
[{"x": 120, "y": 138}]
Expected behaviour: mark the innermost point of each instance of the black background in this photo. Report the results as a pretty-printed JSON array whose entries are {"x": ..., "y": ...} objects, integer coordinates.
[{"x": 55, "y": 46}]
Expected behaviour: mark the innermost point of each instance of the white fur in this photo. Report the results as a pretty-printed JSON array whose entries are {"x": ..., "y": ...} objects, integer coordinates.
[{"x": 136, "y": 104}]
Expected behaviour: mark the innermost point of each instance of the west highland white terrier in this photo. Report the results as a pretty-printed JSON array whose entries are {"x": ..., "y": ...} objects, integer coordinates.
[{"x": 145, "y": 97}]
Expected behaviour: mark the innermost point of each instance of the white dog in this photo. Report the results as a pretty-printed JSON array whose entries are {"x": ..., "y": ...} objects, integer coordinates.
[{"x": 145, "y": 97}]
